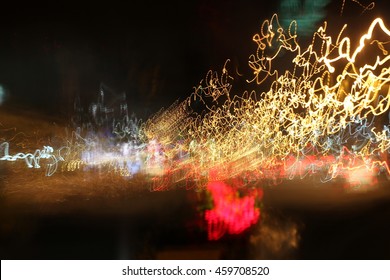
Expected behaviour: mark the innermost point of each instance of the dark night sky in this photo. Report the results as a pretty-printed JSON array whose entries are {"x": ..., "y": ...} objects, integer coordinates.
[{"x": 155, "y": 51}]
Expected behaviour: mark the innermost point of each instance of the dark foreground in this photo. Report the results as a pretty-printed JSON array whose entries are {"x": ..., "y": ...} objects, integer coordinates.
[{"x": 299, "y": 220}]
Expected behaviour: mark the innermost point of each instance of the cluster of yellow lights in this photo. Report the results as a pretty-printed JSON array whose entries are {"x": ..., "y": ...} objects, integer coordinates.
[
  {"x": 326, "y": 108},
  {"x": 332, "y": 95}
]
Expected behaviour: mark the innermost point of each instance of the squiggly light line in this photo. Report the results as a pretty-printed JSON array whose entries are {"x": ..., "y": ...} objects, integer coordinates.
[
  {"x": 332, "y": 99},
  {"x": 32, "y": 160},
  {"x": 323, "y": 113}
]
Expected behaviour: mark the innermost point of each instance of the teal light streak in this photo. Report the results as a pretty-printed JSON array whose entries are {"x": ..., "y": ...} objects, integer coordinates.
[{"x": 307, "y": 14}]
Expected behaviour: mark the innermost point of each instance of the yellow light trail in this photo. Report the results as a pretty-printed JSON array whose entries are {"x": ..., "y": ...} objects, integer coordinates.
[
  {"x": 328, "y": 97},
  {"x": 321, "y": 108}
]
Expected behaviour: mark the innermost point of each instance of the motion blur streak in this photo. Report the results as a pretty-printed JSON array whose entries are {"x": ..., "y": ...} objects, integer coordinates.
[{"x": 325, "y": 113}]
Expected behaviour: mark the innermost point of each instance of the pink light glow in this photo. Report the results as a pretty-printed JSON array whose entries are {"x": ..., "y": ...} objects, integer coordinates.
[{"x": 231, "y": 214}]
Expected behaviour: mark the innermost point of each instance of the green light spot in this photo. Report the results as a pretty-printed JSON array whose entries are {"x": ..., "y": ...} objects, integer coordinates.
[
  {"x": 2, "y": 94},
  {"x": 307, "y": 14}
]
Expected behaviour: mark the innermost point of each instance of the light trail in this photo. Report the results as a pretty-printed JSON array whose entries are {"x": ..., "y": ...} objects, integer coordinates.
[
  {"x": 325, "y": 113},
  {"x": 33, "y": 160},
  {"x": 329, "y": 102}
]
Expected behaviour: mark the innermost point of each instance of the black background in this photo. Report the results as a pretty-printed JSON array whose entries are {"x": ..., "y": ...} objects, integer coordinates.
[{"x": 154, "y": 51}]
